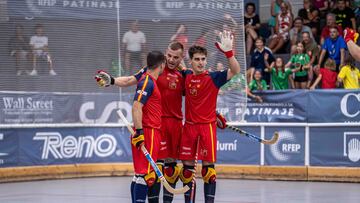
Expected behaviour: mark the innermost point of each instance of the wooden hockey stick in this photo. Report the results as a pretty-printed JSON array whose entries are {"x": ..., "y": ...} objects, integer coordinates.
[
  {"x": 193, "y": 187},
  {"x": 152, "y": 162},
  {"x": 273, "y": 140}
]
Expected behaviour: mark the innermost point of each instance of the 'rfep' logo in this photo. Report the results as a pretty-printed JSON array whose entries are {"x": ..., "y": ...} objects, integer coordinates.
[
  {"x": 352, "y": 146},
  {"x": 285, "y": 146},
  {"x": 344, "y": 105}
]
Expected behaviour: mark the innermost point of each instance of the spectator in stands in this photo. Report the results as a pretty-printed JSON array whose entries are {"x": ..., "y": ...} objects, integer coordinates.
[
  {"x": 275, "y": 10},
  {"x": 181, "y": 36},
  {"x": 19, "y": 48},
  {"x": 40, "y": 50},
  {"x": 330, "y": 22},
  {"x": 299, "y": 62},
  {"x": 313, "y": 50},
  {"x": 322, "y": 6},
  {"x": 257, "y": 84},
  {"x": 283, "y": 24},
  {"x": 252, "y": 26},
  {"x": 326, "y": 75},
  {"x": 134, "y": 42},
  {"x": 334, "y": 46},
  {"x": 296, "y": 33},
  {"x": 260, "y": 59},
  {"x": 279, "y": 75},
  {"x": 310, "y": 15},
  {"x": 349, "y": 74},
  {"x": 344, "y": 15}
]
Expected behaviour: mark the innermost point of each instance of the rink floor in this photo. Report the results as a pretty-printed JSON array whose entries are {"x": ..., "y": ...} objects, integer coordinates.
[{"x": 116, "y": 190}]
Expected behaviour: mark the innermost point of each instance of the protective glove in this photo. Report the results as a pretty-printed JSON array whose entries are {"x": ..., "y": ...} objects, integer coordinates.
[
  {"x": 350, "y": 34},
  {"x": 226, "y": 43},
  {"x": 104, "y": 79},
  {"x": 138, "y": 139}
]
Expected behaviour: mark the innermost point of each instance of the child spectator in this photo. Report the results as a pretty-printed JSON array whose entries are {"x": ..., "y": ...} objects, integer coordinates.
[
  {"x": 252, "y": 26},
  {"x": 275, "y": 10},
  {"x": 349, "y": 74},
  {"x": 326, "y": 75},
  {"x": 279, "y": 75},
  {"x": 284, "y": 22},
  {"x": 258, "y": 83},
  {"x": 300, "y": 62}
]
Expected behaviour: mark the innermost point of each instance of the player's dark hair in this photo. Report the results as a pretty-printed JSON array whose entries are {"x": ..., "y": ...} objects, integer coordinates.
[
  {"x": 195, "y": 49},
  {"x": 350, "y": 62},
  {"x": 176, "y": 46},
  {"x": 155, "y": 59}
]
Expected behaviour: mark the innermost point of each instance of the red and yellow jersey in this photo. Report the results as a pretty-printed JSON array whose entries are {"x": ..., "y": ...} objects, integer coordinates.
[
  {"x": 201, "y": 94},
  {"x": 171, "y": 86},
  {"x": 148, "y": 93}
]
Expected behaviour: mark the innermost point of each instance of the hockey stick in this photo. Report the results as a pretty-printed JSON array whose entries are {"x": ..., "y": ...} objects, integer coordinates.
[
  {"x": 273, "y": 140},
  {"x": 192, "y": 194},
  {"x": 152, "y": 162}
]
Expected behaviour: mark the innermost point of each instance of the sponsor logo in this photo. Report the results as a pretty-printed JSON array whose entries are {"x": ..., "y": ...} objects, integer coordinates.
[
  {"x": 66, "y": 147},
  {"x": 105, "y": 116},
  {"x": 2, "y": 154},
  {"x": 226, "y": 146},
  {"x": 26, "y": 103},
  {"x": 142, "y": 92},
  {"x": 286, "y": 146},
  {"x": 344, "y": 105},
  {"x": 352, "y": 146}
]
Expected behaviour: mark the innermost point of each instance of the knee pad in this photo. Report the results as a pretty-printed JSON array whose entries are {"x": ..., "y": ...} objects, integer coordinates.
[
  {"x": 171, "y": 172},
  {"x": 187, "y": 174},
  {"x": 209, "y": 174},
  {"x": 150, "y": 178}
]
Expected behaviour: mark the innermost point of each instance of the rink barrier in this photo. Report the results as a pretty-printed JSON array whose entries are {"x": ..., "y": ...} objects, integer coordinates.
[
  {"x": 254, "y": 172},
  {"x": 261, "y": 171}
]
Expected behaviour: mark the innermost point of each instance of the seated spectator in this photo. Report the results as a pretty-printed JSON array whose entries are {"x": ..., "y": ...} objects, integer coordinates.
[
  {"x": 19, "y": 48},
  {"x": 181, "y": 36},
  {"x": 330, "y": 22},
  {"x": 258, "y": 83},
  {"x": 349, "y": 74},
  {"x": 322, "y": 6},
  {"x": 134, "y": 42},
  {"x": 310, "y": 15},
  {"x": 283, "y": 24},
  {"x": 296, "y": 33},
  {"x": 344, "y": 15},
  {"x": 252, "y": 26},
  {"x": 279, "y": 75},
  {"x": 260, "y": 59},
  {"x": 334, "y": 46},
  {"x": 39, "y": 47},
  {"x": 327, "y": 75},
  {"x": 274, "y": 11},
  {"x": 299, "y": 62}
]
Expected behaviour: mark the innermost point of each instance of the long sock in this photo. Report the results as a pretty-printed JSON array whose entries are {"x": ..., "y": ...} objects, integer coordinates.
[
  {"x": 132, "y": 188},
  {"x": 209, "y": 192},
  {"x": 140, "y": 190},
  {"x": 171, "y": 173},
  {"x": 188, "y": 193},
  {"x": 153, "y": 193}
]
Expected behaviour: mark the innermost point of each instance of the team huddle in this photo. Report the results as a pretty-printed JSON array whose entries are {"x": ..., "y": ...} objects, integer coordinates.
[{"x": 158, "y": 118}]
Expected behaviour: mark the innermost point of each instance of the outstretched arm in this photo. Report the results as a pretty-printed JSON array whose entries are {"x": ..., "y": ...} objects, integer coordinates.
[{"x": 350, "y": 37}]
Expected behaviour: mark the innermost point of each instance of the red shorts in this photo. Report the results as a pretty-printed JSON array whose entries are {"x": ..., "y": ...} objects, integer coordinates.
[
  {"x": 152, "y": 143},
  {"x": 171, "y": 130},
  {"x": 207, "y": 143}
]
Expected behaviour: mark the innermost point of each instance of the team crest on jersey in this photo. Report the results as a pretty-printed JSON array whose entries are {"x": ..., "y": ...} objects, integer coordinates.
[
  {"x": 172, "y": 81},
  {"x": 194, "y": 89}
]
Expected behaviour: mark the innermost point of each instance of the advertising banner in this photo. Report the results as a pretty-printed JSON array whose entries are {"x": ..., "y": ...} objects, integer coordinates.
[
  {"x": 233, "y": 148},
  {"x": 335, "y": 146},
  {"x": 289, "y": 149},
  {"x": 128, "y": 9}
]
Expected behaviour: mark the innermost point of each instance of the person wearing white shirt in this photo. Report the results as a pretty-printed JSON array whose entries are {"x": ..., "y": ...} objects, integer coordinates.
[
  {"x": 39, "y": 47},
  {"x": 134, "y": 45}
]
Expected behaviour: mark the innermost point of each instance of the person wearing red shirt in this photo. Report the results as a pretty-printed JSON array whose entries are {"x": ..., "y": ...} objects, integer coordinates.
[
  {"x": 146, "y": 113},
  {"x": 201, "y": 90},
  {"x": 171, "y": 86},
  {"x": 330, "y": 22},
  {"x": 327, "y": 75}
]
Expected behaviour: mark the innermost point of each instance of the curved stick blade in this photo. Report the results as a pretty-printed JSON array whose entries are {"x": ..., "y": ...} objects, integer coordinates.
[{"x": 273, "y": 140}]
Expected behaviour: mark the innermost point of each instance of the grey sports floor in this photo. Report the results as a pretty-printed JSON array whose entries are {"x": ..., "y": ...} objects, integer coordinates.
[{"x": 116, "y": 190}]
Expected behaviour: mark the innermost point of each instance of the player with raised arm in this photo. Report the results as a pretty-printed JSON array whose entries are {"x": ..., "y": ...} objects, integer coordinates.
[
  {"x": 351, "y": 37},
  {"x": 201, "y": 90},
  {"x": 171, "y": 85},
  {"x": 146, "y": 113}
]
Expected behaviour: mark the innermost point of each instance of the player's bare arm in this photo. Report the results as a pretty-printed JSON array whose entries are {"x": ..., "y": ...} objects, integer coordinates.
[
  {"x": 137, "y": 114},
  {"x": 351, "y": 37}
]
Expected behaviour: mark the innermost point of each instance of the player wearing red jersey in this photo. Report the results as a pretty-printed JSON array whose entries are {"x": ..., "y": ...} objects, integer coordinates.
[
  {"x": 201, "y": 90},
  {"x": 146, "y": 113},
  {"x": 171, "y": 86}
]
